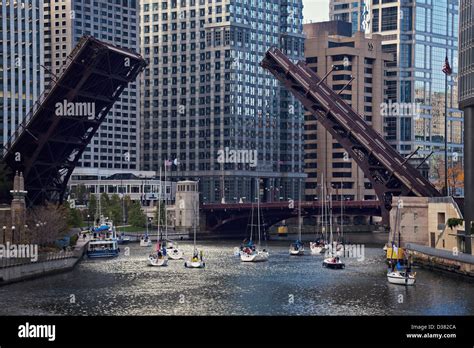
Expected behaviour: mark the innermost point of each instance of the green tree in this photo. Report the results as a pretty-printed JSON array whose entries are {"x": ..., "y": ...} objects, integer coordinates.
[
  {"x": 74, "y": 217},
  {"x": 136, "y": 216},
  {"x": 114, "y": 210},
  {"x": 127, "y": 204},
  {"x": 92, "y": 208},
  {"x": 104, "y": 203}
]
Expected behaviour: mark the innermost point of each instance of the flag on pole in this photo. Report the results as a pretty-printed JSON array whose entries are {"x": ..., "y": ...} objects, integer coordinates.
[
  {"x": 168, "y": 163},
  {"x": 446, "y": 67}
]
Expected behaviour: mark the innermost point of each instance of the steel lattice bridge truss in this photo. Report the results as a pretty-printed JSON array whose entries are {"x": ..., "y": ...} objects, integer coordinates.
[
  {"x": 390, "y": 173},
  {"x": 46, "y": 147}
]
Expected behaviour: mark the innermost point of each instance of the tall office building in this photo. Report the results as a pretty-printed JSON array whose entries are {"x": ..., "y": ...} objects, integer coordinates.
[
  {"x": 466, "y": 102},
  {"x": 419, "y": 34},
  {"x": 115, "y": 146},
  {"x": 332, "y": 43},
  {"x": 204, "y": 92},
  {"x": 21, "y": 60}
]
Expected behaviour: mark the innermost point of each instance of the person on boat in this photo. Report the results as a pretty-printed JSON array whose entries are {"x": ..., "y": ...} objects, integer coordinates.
[
  {"x": 399, "y": 266},
  {"x": 195, "y": 256},
  {"x": 200, "y": 255}
]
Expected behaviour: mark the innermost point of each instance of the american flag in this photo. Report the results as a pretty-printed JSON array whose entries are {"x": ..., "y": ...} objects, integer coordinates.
[{"x": 446, "y": 67}]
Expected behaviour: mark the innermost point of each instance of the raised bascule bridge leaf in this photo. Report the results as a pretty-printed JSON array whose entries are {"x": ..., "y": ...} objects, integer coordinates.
[
  {"x": 390, "y": 174},
  {"x": 47, "y": 144}
]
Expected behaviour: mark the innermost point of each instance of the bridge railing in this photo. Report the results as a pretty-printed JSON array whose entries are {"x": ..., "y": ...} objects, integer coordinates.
[
  {"x": 285, "y": 204},
  {"x": 43, "y": 257}
]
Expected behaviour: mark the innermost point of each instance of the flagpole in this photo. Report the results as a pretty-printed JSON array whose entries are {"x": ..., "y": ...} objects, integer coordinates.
[{"x": 446, "y": 133}]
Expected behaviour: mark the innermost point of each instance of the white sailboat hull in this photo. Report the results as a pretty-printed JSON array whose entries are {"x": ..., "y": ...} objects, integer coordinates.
[
  {"x": 400, "y": 278},
  {"x": 145, "y": 243},
  {"x": 257, "y": 256},
  {"x": 297, "y": 252},
  {"x": 317, "y": 250},
  {"x": 194, "y": 264},
  {"x": 157, "y": 262},
  {"x": 332, "y": 263},
  {"x": 175, "y": 254}
]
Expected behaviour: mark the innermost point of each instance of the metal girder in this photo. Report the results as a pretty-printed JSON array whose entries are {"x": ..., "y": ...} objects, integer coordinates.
[
  {"x": 51, "y": 145},
  {"x": 386, "y": 169}
]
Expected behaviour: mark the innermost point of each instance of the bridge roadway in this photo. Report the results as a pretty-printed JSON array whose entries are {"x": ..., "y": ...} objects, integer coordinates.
[{"x": 235, "y": 217}]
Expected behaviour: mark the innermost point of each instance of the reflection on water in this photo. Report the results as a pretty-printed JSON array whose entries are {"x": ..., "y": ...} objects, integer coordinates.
[{"x": 283, "y": 286}]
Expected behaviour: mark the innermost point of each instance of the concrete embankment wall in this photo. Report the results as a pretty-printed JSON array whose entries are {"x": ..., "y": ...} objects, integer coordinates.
[
  {"x": 33, "y": 270},
  {"x": 17, "y": 273},
  {"x": 443, "y": 260}
]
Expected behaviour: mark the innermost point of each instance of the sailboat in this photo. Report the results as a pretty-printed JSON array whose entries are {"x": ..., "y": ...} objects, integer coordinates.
[
  {"x": 174, "y": 253},
  {"x": 297, "y": 248},
  {"x": 395, "y": 273},
  {"x": 333, "y": 261},
  {"x": 160, "y": 257},
  {"x": 145, "y": 241},
  {"x": 320, "y": 245},
  {"x": 197, "y": 260},
  {"x": 249, "y": 251}
]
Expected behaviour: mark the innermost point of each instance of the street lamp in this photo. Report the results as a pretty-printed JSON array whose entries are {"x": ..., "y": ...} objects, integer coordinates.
[
  {"x": 13, "y": 234},
  {"x": 4, "y": 232},
  {"x": 26, "y": 227}
]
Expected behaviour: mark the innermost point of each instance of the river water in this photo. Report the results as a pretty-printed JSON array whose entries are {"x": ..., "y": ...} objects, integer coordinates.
[{"x": 285, "y": 285}]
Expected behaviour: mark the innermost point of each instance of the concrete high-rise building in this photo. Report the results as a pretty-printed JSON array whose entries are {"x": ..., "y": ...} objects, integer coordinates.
[
  {"x": 115, "y": 147},
  {"x": 354, "y": 56},
  {"x": 210, "y": 108},
  {"x": 466, "y": 102},
  {"x": 420, "y": 34},
  {"x": 21, "y": 60}
]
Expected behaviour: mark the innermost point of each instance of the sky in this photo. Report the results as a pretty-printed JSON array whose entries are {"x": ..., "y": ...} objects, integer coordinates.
[{"x": 316, "y": 10}]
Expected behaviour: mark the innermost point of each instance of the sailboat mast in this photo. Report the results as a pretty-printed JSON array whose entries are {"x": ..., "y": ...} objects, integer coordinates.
[
  {"x": 195, "y": 222},
  {"x": 399, "y": 234},
  {"x": 251, "y": 222},
  {"x": 258, "y": 210},
  {"x": 325, "y": 208},
  {"x": 299, "y": 210},
  {"x": 394, "y": 233},
  {"x": 159, "y": 209},
  {"x": 342, "y": 215},
  {"x": 330, "y": 220},
  {"x": 166, "y": 204}
]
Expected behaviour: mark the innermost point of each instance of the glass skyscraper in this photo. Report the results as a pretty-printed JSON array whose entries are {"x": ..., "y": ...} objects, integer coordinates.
[
  {"x": 21, "y": 61},
  {"x": 466, "y": 101},
  {"x": 420, "y": 34},
  {"x": 204, "y": 92},
  {"x": 115, "y": 147}
]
